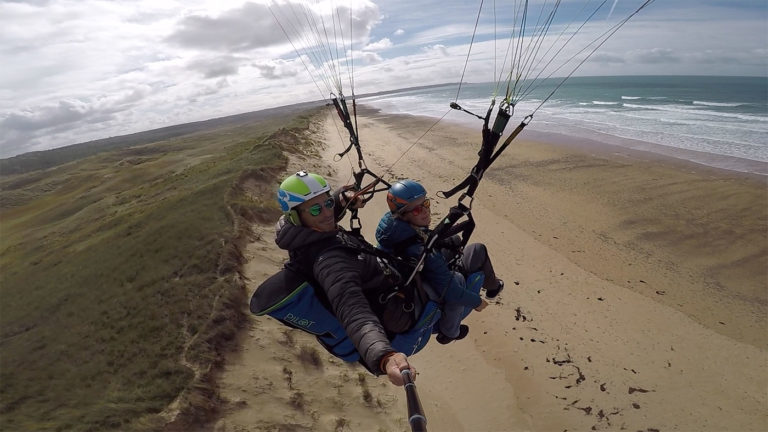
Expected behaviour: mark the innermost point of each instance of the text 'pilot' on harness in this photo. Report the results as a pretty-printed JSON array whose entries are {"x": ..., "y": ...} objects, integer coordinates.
[{"x": 295, "y": 299}]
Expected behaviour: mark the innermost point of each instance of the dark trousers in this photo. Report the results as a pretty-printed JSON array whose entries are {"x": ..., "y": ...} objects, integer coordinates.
[{"x": 476, "y": 259}]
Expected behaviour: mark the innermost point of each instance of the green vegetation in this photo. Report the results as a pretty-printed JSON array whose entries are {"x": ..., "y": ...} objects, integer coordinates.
[
  {"x": 39, "y": 160},
  {"x": 120, "y": 279}
]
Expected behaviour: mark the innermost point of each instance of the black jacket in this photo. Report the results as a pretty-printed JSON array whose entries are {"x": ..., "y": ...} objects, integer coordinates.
[{"x": 351, "y": 280}]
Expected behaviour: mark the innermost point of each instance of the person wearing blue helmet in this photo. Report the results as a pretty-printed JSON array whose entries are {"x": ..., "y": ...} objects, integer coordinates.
[{"x": 403, "y": 230}]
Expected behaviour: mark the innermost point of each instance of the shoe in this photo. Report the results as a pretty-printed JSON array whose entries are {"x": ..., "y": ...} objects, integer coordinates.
[
  {"x": 463, "y": 332},
  {"x": 492, "y": 293}
]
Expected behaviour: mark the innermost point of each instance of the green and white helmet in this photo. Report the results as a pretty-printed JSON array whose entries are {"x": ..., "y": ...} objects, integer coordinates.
[{"x": 300, "y": 187}]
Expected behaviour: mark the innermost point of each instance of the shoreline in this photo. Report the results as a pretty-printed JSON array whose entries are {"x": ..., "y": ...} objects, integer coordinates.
[
  {"x": 727, "y": 165},
  {"x": 588, "y": 139}
]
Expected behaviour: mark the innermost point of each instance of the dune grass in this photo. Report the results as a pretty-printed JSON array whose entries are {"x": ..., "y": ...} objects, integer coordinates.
[{"x": 119, "y": 285}]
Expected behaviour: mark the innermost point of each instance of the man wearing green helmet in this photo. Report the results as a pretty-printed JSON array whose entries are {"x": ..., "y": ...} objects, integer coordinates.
[
  {"x": 306, "y": 200},
  {"x": 351, "y": 281}
]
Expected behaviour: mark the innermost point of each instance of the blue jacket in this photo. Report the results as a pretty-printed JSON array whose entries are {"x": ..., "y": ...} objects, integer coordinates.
[{"x": 392, "y": 231}]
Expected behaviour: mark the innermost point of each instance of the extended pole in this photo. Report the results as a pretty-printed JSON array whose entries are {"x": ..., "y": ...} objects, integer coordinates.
[{"x": 415, "y": 412}]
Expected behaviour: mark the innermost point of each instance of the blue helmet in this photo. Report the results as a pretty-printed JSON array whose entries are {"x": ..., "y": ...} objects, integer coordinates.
[{"x": 404, "y": 194}]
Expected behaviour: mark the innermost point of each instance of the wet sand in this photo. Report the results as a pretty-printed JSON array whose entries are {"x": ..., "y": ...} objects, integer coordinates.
[{"x": 636, "y": 297}]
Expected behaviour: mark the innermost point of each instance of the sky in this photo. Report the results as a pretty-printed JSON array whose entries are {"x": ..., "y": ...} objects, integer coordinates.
[{"x": 77, "y": 70}]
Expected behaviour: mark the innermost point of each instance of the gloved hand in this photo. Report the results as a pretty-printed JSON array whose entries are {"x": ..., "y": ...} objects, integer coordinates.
[
  {"x": 347, "y": 195},
  {"x": 452, "y": 242}
]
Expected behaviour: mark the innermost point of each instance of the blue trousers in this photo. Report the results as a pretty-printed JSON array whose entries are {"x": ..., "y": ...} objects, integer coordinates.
[
  {"x": 454, "y": 313},
  {"x": 477, "y": 267}
]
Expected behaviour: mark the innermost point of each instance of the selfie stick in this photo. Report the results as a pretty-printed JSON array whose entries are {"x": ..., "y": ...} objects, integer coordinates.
[{"x": 415, "y": 412}]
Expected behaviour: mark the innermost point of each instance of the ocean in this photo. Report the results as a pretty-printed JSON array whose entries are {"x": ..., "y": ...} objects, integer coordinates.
[{"x": 717, "y": 121}]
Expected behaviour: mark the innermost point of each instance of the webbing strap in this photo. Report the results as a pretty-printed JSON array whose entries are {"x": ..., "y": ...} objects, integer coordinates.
[
  {"x": 343, "y": 113},
  {"x": 447, "y": 228},
  {"x": 368, "y": 190},
  {"x": 486, "y": 155}
]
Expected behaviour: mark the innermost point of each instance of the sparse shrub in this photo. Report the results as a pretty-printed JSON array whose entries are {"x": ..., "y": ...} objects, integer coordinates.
[
  {"x": 341, "y": 424},
  {"x": 297, "y": 400},
  {"x": 290, "y": 340},
  {"x": 310, "y": 355},
  {"x": 288, "y": 376},
  {"x": 367, "y": 397}
]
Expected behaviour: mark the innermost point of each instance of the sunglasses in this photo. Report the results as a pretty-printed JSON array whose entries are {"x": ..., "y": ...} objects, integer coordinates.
[
  {"x": 421, "y": 208},
  {"x": 316, "y": 209}
]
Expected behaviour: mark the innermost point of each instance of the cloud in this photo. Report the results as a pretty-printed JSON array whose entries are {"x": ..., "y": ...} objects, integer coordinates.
[
  {"x": 654, "y": 56},
  {"x": 253, "y": 26},
  {"x": 71, "y": 110},
  {"x": 607, "y": 58},
  {"x": 37, "y": 125},
  {"x": 380, "y": 45},
  {"x": 399, "y": 32},
  {"x": 437, "y": 48},
  {"x": 370, "y": 58},
  {"x": 209, "y": 89},
  {"x": 67, "y": 111},
  {"x": 277, "y": 69},
  {"x": 248, "y": 27},
  {"x": 36, "y": 3},
  {"x": 24, "y": 128},
  {"x": 724, "y": 57},
  {"x": 219, "y": 66}
]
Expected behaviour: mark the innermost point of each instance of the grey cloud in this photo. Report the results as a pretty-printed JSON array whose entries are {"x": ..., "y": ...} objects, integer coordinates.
[
  {"x": 438, "y": 48},
  {"x": 363, "y": 20},
  {"x": 131, "y": 96},
  {"x": 276, "y": 69},
  {"x": 371, "y": 58},
  {"x": 209, "y": 89},
  {"x": 221, "y": 70},
  {"x": 144, "y": 17},
  {"x": 267, "y": 71},
  {"x": 248, "y": 27},
  {"x": 216, "y": 67},
  {"x": 98, "y": 117},
  {"x": 720, "y": 57},
  {"x": 18, "y": 143},
  {"x": 607, "y": 58},
  {"x": 64, "y": 112},
  {"x": 254, "y": 26},
  {"x": 38, "y": 3},
  {"x": 379, "y": 45},
  {"x": 24, "y": 128},
  {"x": 654, "y": 56},
  {"x": 69, "y": 121}
]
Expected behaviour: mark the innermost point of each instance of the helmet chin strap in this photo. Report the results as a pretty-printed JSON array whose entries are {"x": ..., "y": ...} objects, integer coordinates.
[{"x": 293, "y": 217}]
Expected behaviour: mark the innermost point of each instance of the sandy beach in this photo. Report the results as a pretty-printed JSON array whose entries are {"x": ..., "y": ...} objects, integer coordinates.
[{"x": 636, "y": 297}]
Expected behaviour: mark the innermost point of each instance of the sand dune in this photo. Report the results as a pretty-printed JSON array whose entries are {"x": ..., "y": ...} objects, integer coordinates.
[{"x": 636, "y": 299}]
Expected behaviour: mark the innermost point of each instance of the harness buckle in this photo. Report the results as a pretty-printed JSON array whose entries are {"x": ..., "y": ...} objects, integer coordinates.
[
  {"x": 465, "y": 196},
  {"x": 383, "y": 297}
]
